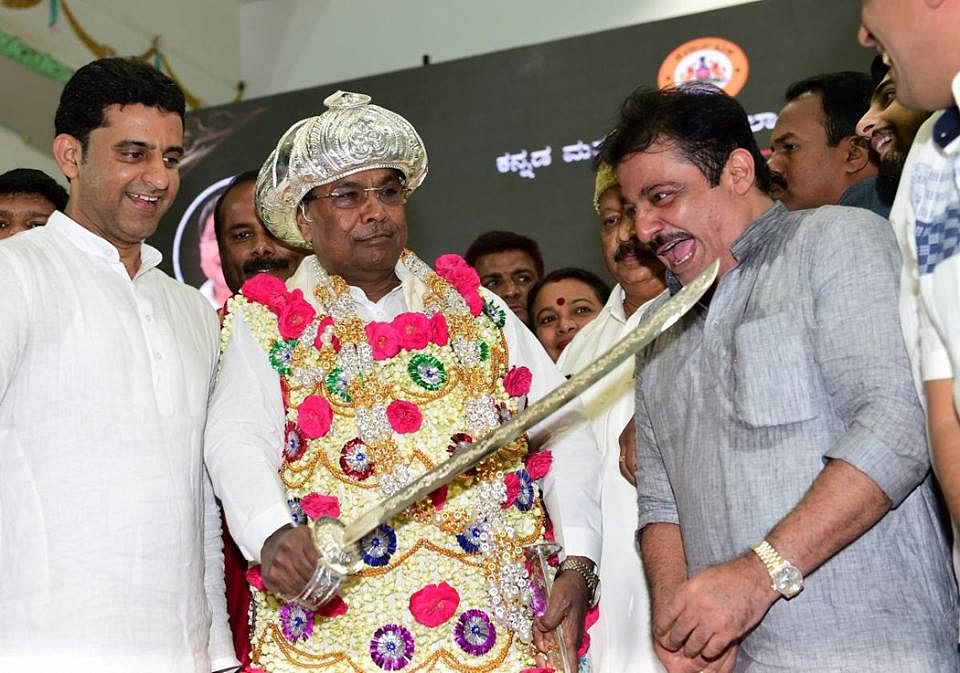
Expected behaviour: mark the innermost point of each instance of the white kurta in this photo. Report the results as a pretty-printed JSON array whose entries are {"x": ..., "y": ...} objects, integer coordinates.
[
  {"x": 103, "y": 504},
  {"x": 247, "y": 418},
  {"x": 620, "y": 640}
]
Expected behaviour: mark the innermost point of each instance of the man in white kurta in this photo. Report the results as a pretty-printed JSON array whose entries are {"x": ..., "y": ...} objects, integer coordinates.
[
  {"x": 620, "y": 640},
  {"x": 105, "y": 518},
  {"x": 110, "y": 557}
]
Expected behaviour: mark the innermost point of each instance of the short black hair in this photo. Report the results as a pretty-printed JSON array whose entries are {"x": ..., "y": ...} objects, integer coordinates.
[
  {"x": 112, "y": 81},
  {"x": 599, "y": 286},
  {"x": 844, "y": 97},
  {"x": 498, "y": 241},
  {"x": 703, "y": 122},
  {"x": 878, "y": 70},
  {"x": 30, "y": 181},
  {"x": 242, "y": 178}
]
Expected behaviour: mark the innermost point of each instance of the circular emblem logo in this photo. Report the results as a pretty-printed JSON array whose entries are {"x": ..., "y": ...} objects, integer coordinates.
[{"x": 710, "y": 60}]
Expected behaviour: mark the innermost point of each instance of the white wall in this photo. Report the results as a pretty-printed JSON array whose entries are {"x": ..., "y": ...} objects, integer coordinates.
[
  {"x": 16, "y": 153},
  {"x": 296, "y": 44}
]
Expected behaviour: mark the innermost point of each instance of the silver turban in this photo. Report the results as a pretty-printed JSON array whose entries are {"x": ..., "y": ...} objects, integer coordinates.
[{"x": 351, "y": 136}]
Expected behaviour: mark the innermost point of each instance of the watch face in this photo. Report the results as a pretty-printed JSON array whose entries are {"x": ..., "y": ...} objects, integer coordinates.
[{"x": 788, "y": 581}]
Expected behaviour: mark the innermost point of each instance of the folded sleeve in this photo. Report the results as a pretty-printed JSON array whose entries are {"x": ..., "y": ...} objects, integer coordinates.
[
  {"x": 854, "y": 270},
  {"x": 655, "y": 501}
]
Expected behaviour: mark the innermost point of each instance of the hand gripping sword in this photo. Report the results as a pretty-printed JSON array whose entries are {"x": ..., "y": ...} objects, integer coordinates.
[{"x": 338, "y": 544}]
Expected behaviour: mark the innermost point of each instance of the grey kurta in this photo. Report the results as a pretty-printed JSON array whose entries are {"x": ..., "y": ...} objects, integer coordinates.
[{"x": 799, "y": 359}]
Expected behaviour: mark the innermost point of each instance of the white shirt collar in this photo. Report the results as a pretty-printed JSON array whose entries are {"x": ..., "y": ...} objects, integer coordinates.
[{"x": 97, "y": 246}]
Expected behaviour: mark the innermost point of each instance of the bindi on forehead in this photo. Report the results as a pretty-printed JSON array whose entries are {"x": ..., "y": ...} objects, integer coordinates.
[{"x": 561, "y": 301}]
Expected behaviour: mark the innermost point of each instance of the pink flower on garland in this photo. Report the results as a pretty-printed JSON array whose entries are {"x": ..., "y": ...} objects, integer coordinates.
[
  {"x": 335, "y": 607},
  {"x": 404, "y": 417},
  {"x": 383, "y": 339},
  {"x": 315, "y": 505},
  {"x": 454, "y": 270},
  {"x": 439, "y": 497},
  {"x": 413, "y": 329},
  {"x": 475, "y": 302},
  {"x": 538, "y": 464},
  {"x": 314, "y": 416},
  {"x": 517, "y": 381},
  {"x": 267, "y": 290},
  {"x": 512, "y": 482},
  {"x": 254, "y": 579},
  {"x": 295, "y": 315},
  {"x": 321, "y": 328},
  {"x": 434, "y": 604},
  {"x": 438, "y": 330}
]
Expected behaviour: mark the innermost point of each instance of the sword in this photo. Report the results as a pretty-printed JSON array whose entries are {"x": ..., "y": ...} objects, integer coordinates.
[
  {"x": 338, "y": 544},
  {"x": 646, "y": 332}
]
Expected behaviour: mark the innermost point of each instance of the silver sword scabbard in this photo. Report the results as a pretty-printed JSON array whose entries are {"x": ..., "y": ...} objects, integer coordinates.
[{"x": 339, "y": 544}]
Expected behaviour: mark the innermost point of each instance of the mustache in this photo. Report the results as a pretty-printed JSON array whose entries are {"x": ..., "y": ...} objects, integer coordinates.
[
  {"x": 778, "y": 181},
  {"x": 634, "y": 247},
  {"x": 258, "y": 264},
  {"x": 660, "y": 240}
]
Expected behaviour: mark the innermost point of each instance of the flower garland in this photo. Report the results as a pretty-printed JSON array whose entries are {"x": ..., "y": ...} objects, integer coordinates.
[{"x": 336, "y": 370}]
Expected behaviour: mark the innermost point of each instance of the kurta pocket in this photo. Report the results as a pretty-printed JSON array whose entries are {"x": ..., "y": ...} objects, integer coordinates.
[{"x": 774, "y": 372}]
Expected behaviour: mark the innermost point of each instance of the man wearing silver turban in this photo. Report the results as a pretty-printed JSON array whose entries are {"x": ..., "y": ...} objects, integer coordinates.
[{"x": 386, "y": 368}]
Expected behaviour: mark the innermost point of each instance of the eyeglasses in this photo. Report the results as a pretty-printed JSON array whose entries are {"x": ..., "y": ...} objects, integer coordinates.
[{"x": 354, "y": 197}]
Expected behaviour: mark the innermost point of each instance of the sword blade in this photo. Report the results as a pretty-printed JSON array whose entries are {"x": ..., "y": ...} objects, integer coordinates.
[{"x": 645, "y": 333}]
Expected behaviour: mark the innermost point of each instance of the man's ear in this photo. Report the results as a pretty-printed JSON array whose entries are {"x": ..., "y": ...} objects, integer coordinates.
[
  {"x": 739, "y": 171},
  {"x": 303, "y": 224},
  {"x": 68, "y": 153},
  {"x": 857, "y": 153}
]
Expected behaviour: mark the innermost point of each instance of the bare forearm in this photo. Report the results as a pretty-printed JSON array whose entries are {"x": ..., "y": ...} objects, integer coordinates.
[
  {"x": 840, "y": 506},
  {"x": 945, "y": 440},
  {"x": 664, "y": 561}
]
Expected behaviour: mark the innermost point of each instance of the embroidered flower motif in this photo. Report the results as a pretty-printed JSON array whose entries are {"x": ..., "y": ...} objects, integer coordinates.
[
  {"x": 297, "y": 515},
  {"x": 527, "y": 495},
  {"x": 471, "y": 537},
  {"x": 538, "y": 464},
  {"x": 315, "y": 505},
  {"x": 461, "y": 442},
  {"x": 379, "y": 546},
  {"x": 404, "y": 417},
  {"x": 355, "y": 459},
  {"x": 322, "y": 334},
  {"x": 333, "y": 608},
  {"x": 427, "y": 371},
  {"x": 475, "y": 633},
  {"x": 296, "y": 622},
  {"x": 314, "y": 416},
  {"x": 439, "y": 334},
  {"x": 336, "y": 384},
  {"x": 434, "y": 604},
  {"x": 517, "y": 381},
  {"x": 413, "y": 329},
  {"x": 295, "y": 315},
  {"x": 254, "y": 578},
  {"x": 391, "y": 647},
  {"x": 281, "y": 353},
  {"x": 512, "y": 482},
  {"x": 294, "y": 445},
  {"x": 495, "y": 313},
  {"x": 538, "y": 598},
  {"x": 383, "y": 339},
  {"x": 267, "y": 290}
]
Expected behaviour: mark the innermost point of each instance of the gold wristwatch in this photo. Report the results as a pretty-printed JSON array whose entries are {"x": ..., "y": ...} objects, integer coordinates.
[
  {"x": 589, "y": 574},
  {"x": 785, "y": 578}
]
